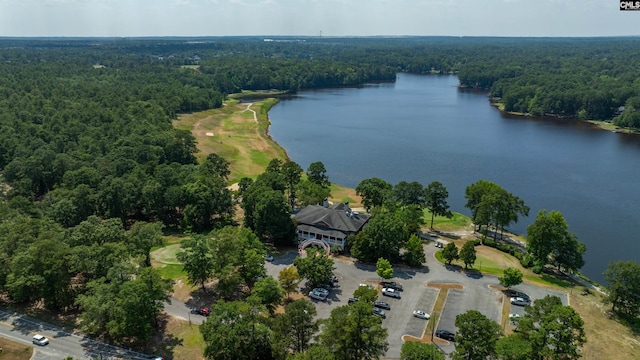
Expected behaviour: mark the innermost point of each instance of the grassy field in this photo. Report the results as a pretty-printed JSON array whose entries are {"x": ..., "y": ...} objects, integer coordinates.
[
  {"x": 237, "y": 132},
  {"x": 12, "y": 350}
]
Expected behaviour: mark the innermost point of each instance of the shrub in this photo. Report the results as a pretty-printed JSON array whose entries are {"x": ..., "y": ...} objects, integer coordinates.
[
  {"x": 526, "y": 260},
  {"x": 490, "y": 242},
  {"x": 537, "y": 269},
  {"x": 475, "y": 242}
]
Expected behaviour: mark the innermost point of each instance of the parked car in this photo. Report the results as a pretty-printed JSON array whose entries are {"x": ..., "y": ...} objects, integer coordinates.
[
  {"x": 352, "y": 300},
  {"x": 322, "y": 291},
  {"x": 379, "y": 312},
  {"x": 317, "y": 296},
  {"x": 445, "y": 334},
  {"x": 421, "y": 314},
  {"x": 268, "y": 257},
  {"x": 515, "y": 293},
  {"x": 520, "y": 301},
  {"x": 40, "y": 340},
  {"x": 204, "y": 311},
  {"x": 392, "y": 285},
  {"x": 514, "y": 317},
  {"x": 382, "y": 305},
  {"x": 365, "y": 285},
  {"x": 390, "y": 293}
]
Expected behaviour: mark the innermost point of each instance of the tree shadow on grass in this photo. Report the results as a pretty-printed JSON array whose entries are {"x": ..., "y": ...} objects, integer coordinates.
[{"x": 164, "y": 342}]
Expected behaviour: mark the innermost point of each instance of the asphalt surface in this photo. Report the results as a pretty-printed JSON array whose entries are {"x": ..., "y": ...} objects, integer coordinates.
[
  {"x": 475, "y": 295},
  {"x": 62, "y": 343}
]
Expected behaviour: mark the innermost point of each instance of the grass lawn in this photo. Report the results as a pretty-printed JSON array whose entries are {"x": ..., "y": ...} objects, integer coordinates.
[
  {"x": 441, "y": 223},
  {"x": 231, "y": 132},
  {"x": 12, "y": 350}
]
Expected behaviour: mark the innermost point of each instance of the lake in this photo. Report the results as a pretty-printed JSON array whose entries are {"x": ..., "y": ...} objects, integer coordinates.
[{"x": 424, "y": 128}]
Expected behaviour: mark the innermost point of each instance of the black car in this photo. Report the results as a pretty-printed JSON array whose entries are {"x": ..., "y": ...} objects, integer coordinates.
[
  {"x": 382, "y": 305},
  {"x": 352, "y": 300},
  {"x": 392, "y": 284},
  {"x": 516, "y": 293},
  {"x": 379, "y": 312},
  {"x": 445, "y": 334}
]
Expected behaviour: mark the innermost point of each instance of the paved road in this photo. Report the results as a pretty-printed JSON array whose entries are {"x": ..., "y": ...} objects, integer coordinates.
[{"x": 21, "y": 328}]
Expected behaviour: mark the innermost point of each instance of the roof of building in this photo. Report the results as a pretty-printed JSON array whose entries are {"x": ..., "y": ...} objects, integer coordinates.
[{"x": 339, "y": 217}]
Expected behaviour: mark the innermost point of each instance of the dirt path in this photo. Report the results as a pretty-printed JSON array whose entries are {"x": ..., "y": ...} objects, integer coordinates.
[{"x": 255, "y": 117}]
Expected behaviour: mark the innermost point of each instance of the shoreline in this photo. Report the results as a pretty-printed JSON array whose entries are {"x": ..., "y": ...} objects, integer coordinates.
[{"x": 600, "y": 124}]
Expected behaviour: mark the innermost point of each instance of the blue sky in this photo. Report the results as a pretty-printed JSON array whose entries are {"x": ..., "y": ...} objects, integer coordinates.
[{"x": 315, "y": 17}]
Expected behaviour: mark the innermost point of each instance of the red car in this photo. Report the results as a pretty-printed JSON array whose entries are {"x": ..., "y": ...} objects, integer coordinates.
[{"x": 204, "y": 311}]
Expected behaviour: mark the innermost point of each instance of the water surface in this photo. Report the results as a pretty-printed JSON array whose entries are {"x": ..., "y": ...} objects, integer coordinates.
[{"x": 423, "y": 128}]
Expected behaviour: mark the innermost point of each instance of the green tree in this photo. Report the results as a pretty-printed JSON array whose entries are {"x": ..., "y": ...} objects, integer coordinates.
[
  {"x": 197, "y": 259},
  {"x": 317, "y": 174},
  {"x": 316, "y": 267},
  {"x": 510, "y": 277},
  {"x": 514, "y": 347},
  {"x": 289, "y": 279},
  {"x": 384, "y": 236},
  {"x": 450, "y": 252},
  {"x": 548, "y": 235},
  {"x": 315, "y": 352},
  {"x": 568, "y": 253},
  {"x": 298, "y": 325},
  {"x": 208, "y": 201},
  {"x": 412, "y": 217},
  {"x": 310, "y": 193},
  {"x": 238, "y": 257},
  {"x": 125, "y": 304},
  {"x": 215, "y": 166},
  {"x": 353, "y": 333},
  {"x": 468, "y": 254},
  {"x": 366, "y": 294},
  {"x": 272, "y": 219},
  {"x": 409, "y": 193},
  {"x": 554, "y": 331},
  {"x": 143, "y": 236},
  {"x": 436, "y": 200},
  {"x": 384, "y": 268},
  {"x": 414, "y": 252},
  {"x": 476, "y": 337},
  {"x": 292, "y": 173},
  {"x": 236, "y": 330},
  {"x": 623, "y": 287},
  {"x": 269, "y": 292},
  {"x": 413, "y": 350},
  {"x": 374, "y": 192}
]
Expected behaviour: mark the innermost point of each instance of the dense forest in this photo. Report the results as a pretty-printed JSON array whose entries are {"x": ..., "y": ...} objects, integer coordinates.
[{"x": 92, "y": 169}]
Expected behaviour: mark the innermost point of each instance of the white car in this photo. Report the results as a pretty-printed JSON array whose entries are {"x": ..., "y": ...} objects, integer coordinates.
[
  {"x": 365, "y": 285},
  {"x": 317, "y": 296},
  {"x": 519, "y": 301},
  {"x": 268, "y": 257},
  {"x": 513, "y": 317},
  {"x": 40, "y": 340},
  {"x": 390, "y": 293},
  {"x": 421, "y": 314},
  {"x": 322, "y": 291}
]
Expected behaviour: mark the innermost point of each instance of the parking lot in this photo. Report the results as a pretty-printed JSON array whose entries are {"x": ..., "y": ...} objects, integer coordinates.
[{"x": 475, "y": 294}]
